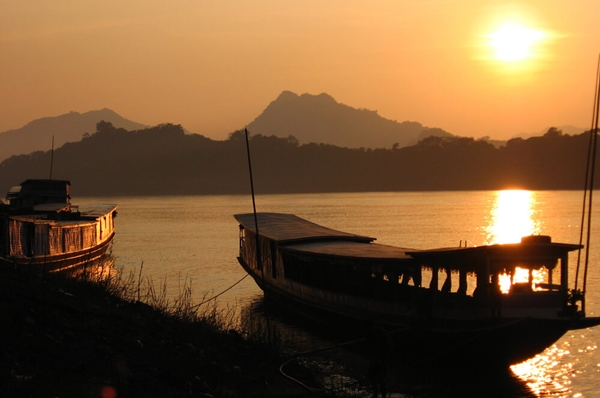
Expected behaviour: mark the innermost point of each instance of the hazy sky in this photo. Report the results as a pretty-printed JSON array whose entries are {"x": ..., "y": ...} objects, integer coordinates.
[{"x": 213, "y": 66}]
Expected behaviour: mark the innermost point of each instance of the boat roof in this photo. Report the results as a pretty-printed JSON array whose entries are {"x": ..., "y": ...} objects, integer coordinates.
[
  {"x": 534, "y": 250},
  {"x": 96, "y": 209},
  {"x": 360, "y": 250},
  {"x": 530, "y": 246},
  {"x": 287, "y": 228},
  {"x": 293, "y": 233},
  {"x": 44, "y": 181}
]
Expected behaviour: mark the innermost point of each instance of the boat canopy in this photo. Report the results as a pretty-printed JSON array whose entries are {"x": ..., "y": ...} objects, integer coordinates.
[
  {"x": 288, "y": 228},
  {"x": 532, "y": 252}
]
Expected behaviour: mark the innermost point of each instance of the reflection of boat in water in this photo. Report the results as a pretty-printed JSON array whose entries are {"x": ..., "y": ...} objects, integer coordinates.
[
  {"x": 41, "y": 229},
  {"x": 441, "y": 304},
  {"x": 334, "y": 357}
]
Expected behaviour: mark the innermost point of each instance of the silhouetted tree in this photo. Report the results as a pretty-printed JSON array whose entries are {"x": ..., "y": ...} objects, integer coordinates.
[
  {"x": 553, "y": 132},
  {"x": 164, "y": 160},
  {"x": 103, "y": 127}
]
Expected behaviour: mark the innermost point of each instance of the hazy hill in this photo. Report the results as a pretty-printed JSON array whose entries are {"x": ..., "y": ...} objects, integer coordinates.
[
  {"x": 37, "y": 135},
  {"x": 163, "y": 160},
  {"x": 570, "y": 130},
  {"x": 321, "y": 119}
]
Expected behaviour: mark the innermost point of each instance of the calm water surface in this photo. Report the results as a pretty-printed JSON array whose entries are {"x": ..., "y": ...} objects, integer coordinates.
[{"x": 183, "y": 239}]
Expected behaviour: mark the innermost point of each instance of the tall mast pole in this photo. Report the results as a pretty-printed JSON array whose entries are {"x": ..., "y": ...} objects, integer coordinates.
[
  {"x": 592, "y": 167},
  {"x": 258, "y": 252}
]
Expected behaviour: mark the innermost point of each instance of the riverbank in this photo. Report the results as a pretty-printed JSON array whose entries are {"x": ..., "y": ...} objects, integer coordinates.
[{"x": 70, "y": 337}]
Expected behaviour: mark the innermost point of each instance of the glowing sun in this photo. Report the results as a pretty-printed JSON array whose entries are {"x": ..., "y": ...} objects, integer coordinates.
[{"x": 512, "y": 42}]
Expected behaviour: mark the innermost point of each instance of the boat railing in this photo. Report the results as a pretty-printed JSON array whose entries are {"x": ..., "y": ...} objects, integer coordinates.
[{"x": 548, "y": 286}]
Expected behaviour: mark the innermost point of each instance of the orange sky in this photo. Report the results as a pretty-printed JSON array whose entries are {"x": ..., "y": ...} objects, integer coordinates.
[{"x": 213, "y": 66}]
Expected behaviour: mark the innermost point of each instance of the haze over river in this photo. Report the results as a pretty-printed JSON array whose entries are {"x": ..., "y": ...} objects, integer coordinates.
[{"x": 183, "y": 239}]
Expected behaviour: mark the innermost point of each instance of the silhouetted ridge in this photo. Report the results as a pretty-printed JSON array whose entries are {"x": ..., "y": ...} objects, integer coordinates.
[
  {"x": 162, "y": 160},
  {"x": 321, "y": 119},
  {"x": 286, "y": 96},
  {"x": 37, "y": 134}
]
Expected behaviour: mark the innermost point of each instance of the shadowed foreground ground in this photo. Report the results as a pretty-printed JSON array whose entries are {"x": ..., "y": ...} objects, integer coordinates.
[
  {"x": 71, "y": 338},
  {"x": 65, "y": 338}
]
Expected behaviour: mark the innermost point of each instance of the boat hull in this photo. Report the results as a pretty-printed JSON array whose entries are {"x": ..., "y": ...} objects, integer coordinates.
[
  {"x": 430, "y": 341},
  {"x": 62, "y": 261}
]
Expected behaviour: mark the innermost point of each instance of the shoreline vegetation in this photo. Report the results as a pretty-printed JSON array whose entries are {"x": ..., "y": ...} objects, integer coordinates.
[{"x": 106, "y": 334}]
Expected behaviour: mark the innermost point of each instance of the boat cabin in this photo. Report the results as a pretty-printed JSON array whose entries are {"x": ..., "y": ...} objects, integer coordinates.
[
  {"x": 33, "y": 193},
  {"x": 529, "y": 278}
]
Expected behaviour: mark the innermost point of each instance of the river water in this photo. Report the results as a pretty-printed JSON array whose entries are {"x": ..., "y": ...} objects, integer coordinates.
[{"x": 181, "y": 240}]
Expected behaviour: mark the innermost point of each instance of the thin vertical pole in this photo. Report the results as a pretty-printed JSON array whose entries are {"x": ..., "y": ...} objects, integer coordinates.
[
  {"x": 592, "y": 168},
  {"x": 587, "y": 178},
  {"x": 258, "y": 252}
]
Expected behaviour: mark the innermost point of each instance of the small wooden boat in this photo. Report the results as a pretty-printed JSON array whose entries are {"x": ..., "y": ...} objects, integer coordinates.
[
  {"x": 40, "y": 228},
  {"x": 438, "y": 305}
]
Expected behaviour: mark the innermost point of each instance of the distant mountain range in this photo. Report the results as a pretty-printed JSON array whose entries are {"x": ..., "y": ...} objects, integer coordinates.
[
  {"x": 37, "y": 135},
  {"x": 321, "y": 119},
  {"x": 309, "y": 118}
]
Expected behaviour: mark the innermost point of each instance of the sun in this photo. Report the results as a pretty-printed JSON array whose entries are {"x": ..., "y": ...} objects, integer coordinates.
[{"x": 512, "y": 42}]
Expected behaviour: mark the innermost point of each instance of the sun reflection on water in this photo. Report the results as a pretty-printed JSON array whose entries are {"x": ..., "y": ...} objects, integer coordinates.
[
  {"x": 546, "y": 374},
  {"x": 551, "y": 373},
  {"x": 512, "y": 217}
]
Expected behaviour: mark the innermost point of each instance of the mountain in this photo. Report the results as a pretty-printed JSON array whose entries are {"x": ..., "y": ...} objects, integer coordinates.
[
  {"x": 37, "y": 135},
  {"x": 321, "y": 119}
]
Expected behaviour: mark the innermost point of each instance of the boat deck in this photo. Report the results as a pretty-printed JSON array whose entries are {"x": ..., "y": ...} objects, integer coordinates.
[
  {"x": 287, "y": 228},
  {"x": 97, "y": 209}
]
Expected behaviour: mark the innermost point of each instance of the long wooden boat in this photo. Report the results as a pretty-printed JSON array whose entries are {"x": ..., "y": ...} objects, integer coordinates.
[
  {"x": 40, "y": 229},
  {"x": 438, "y": 305}
]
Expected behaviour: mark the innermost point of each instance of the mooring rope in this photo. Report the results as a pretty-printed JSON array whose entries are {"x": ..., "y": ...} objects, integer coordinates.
[{"x": 217, "y": 295}]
